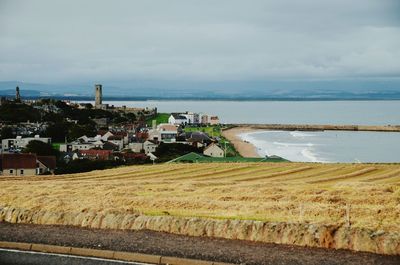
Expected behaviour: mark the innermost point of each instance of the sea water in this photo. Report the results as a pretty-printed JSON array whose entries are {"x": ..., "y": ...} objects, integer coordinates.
[
  {"x": 300, "y": 112},
  {"x": 327, "y": 146}
]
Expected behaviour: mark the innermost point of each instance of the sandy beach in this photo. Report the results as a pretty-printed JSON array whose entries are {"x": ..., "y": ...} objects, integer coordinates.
[{"x": 245, "y": 149}]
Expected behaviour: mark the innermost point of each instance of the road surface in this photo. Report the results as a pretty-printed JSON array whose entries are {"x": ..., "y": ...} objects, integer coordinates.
[{"x": 17, "y": 257}]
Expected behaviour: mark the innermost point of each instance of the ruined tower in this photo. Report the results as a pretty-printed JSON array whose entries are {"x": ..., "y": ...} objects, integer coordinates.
[
  {"x": 17, "y": 95},
  {"x": 98, "y": 97}
]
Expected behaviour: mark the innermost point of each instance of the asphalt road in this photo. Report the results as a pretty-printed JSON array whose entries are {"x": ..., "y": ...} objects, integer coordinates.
[{"x": 17, "y": 257}]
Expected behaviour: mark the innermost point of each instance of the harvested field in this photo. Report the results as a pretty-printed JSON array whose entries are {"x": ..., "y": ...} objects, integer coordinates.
[{"x": 360, "y": 196}]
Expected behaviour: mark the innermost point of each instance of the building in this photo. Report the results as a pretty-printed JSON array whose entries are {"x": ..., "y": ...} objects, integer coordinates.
[
  {"x": 204, "y": 119},
  {"x": 94, "y": 154},
  {"x": 19, "y": 143},
  {"x": 214, "y": 150},
  {"x": 149, "y": 146},
  {"x": 82, "y": 143},
  {"x": 164, "y": 132},
  {"x": 192, "y": 137},
  {"x": 45, "y": 165},
  {"x": 98, "y": 99},
  {"x": 211, "y": 120},
  {"x": 214, "y": 120},
  {"x": 117, "y": 140},
  {"x": 177, "y": 119},
  {"x": 98, "y": 96},
  {"x": 26, "y": 164},
  {"x": 17, "y": 95}
]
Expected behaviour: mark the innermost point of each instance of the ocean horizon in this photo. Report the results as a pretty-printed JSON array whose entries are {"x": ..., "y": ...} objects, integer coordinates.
[{"x": 361, "y": 112}]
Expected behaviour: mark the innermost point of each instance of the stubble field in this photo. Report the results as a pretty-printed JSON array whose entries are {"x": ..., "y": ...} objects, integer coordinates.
[{"x": 361, "y": 195}]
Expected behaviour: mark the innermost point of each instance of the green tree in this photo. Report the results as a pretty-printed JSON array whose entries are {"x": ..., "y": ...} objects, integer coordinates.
[
  {"x": 77, "y": 130},
  {"x": 57, "y": 131},
  {"x": 41, "y": 148},
  {"x": 6, "y": 132},
  {"x": 12, "y": 112}
]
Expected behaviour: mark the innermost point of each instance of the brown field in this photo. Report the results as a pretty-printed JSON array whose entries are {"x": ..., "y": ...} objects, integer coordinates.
[{"x": 368, "y": 194}]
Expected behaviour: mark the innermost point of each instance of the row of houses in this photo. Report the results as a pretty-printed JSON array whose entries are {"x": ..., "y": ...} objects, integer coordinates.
[
  {"x": 112, "y": 145},
  {"x": 107, "y": 140},
  {"x": 19, "y": 143},
  {"x": 192, "y": 118},
  {"x": 26, "y": 128}
]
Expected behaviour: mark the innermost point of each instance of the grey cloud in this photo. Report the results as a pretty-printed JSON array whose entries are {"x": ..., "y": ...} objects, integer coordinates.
[{"x": 63, "y": 41}]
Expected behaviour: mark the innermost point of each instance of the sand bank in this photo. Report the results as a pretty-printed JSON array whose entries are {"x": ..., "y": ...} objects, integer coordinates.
[{"x": 245, "y": 149}]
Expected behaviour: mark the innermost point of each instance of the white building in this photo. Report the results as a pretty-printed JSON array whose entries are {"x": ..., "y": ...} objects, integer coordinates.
[
  {"x": 148, "y": 146},
  {"x": 164, "y": 133},
  {"x": 20, "y": 143},
  {"x": 82, "y": 143},
  {"x": 177, "y": 119}
]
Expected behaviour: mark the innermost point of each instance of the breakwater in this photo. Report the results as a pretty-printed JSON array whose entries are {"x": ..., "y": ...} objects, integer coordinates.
[{"x": 320, "y": 127}]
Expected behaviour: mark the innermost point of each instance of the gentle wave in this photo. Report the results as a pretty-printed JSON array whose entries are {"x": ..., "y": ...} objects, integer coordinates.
[{"x": 301, "y": 134}]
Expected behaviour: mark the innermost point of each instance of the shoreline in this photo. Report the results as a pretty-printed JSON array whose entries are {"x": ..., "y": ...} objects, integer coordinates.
[{"x": 245, "y": 149}]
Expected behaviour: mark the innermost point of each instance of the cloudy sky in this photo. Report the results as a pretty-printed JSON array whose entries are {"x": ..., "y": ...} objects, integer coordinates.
[{"x": 50, "y": 41}]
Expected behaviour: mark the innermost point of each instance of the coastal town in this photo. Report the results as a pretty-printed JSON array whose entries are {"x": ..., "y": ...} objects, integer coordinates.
[{"x": 47, "y": 136}]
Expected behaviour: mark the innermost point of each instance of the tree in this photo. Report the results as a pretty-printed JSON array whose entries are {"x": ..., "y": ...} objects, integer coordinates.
[
  {"x": 57, "y": 131},
  {"x": 40, "y": 148},
  {"x": 77, "y": 130},
  {"x": 14, "y": 113},
  {"x": 6, "y": 132}
]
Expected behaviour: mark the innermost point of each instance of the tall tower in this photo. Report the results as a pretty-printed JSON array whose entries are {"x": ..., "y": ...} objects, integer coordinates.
[
  {"x": 17, "y": 95},
  {"x": 98, "y": 96}
]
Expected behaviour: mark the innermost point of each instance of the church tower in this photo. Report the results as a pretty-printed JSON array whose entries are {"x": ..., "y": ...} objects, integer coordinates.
[{"x": 98, "y": 97}]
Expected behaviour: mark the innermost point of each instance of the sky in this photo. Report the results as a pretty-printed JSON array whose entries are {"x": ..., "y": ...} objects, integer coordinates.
[{"x": 189, "y": 41}]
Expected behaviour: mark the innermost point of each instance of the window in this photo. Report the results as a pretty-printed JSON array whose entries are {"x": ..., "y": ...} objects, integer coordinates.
[
  {"x": 21, "y": 171},
  {"x": 11, "y": 171}
]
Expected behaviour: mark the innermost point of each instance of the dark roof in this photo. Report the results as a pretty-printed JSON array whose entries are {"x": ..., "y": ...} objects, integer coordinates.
[
  {"x": 109, "y": 146},
  {"x": 48, "y": 161},
  {"x": 102, "y": 132},
  {"x": 115, "y": 137},
  {"x": 196, "y": 137},
  {"x": 122, "y": 134},
  {"x": 178, "y": 116},
  {"x": 16, "y": 161},
  {"x": 152, "y": 141}
]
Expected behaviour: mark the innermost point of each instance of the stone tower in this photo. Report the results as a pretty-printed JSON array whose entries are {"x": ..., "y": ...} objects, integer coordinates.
[
  {"x": 98, "y": 97},
  {"x": 17, "y": 95}
]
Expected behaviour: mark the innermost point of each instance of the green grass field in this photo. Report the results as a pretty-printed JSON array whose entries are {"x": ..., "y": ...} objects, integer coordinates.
[
  {"x": 160, "y": 118},
  {"x": 213, "y": 131}
]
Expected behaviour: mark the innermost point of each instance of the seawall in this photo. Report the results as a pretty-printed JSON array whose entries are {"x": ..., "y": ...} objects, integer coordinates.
[
  {"x": 318, "y": 127},
  {"x": 338, "y": 236}
]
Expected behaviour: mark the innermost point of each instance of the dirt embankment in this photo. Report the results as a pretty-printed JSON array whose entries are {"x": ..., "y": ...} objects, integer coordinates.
[
  {"x": 203, "y": 248},
  {"x": 312, "y": 235}
]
